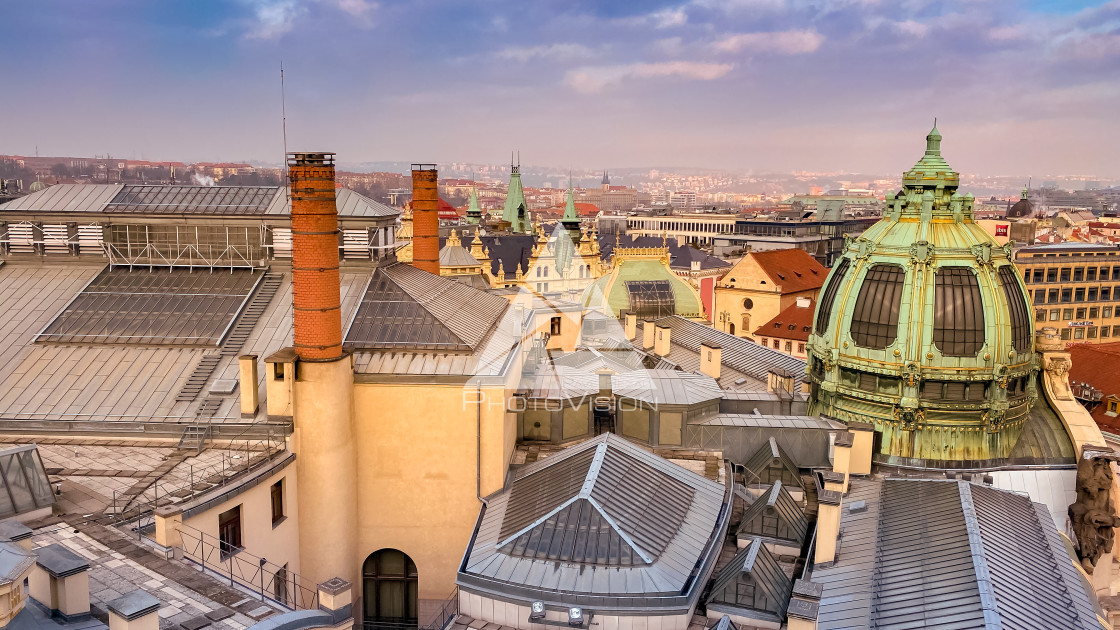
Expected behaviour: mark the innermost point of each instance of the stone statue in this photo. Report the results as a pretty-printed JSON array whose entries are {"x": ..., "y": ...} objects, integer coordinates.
[{"x": 1093, "y": 516}]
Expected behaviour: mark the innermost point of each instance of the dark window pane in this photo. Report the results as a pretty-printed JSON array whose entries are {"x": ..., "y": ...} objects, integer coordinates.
[
  {"x": 958, "y": 317},
  {"x": 651, "y": 298},
  {"x": 875, "y": 319},
  {"x": 1017, "y": 309},
  {"x": 829, "y": 295}
]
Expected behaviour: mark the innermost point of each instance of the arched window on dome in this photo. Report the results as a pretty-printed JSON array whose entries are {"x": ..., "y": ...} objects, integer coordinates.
[
  {"x": 875, "y": 318},
  {"x": 829, "y": 295},
  {"x": 958, "y": 312},
  {"x": 1021, "y": 329}
]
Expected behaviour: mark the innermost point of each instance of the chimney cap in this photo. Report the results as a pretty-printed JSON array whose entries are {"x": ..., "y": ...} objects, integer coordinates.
[
  {"x": 424, "y": 167},
  {"x": 310, "y": 158}
]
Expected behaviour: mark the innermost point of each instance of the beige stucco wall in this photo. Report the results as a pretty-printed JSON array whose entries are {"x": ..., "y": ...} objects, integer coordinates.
[
  {"x": 745, "y": 280},
  {"x": 417, "y": 460},
  {"x": 279, "y": 544},
  {"x": 326, "y": 469}
]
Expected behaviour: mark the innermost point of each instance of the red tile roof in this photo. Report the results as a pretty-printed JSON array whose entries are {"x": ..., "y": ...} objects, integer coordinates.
[
  {"x": 793, "y": 269},
  {"x": 792, "y": 323},
  {"x": 1099, "y": 366}
]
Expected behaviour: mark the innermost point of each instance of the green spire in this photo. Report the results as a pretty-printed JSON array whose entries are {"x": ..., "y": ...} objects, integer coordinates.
[
  {"x": 516, "y": 210},
  {"x": 571, "y": 217},
  {"x": 474, "y": 213}
]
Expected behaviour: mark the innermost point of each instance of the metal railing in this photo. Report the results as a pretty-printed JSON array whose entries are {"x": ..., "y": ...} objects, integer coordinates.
[
  {"x": 272, "y": 583},
  {"x": 449, "y": 609}
]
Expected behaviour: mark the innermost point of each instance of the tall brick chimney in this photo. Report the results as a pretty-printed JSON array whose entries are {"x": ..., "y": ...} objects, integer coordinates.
[
  {"x": 425, "y": 218},
  {"x": 316, "y": 294}
]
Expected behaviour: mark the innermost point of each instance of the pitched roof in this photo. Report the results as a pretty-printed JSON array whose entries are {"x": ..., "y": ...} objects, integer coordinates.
[
  {"x": 666, "y": 387},
  {"x": 795, "y": 322},
  {"x": 406, "y": 308},
  {"x": 181, "y": 199},
  {"x": 793, "y": 269},
  {"x": 950, "y": 554},
  {"x": 659, "y": 527},
  {"x": 680, "y": 256},
  {"x": 1098, "y": 365}
]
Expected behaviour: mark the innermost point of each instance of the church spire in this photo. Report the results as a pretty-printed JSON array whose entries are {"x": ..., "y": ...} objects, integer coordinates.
[
  {"x": 571, "y": 217},
  {"x": 474, "y": 212}
]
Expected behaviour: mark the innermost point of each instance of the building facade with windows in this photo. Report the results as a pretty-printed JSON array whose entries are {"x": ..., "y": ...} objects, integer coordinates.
[{"x": 1075, "y": 288}]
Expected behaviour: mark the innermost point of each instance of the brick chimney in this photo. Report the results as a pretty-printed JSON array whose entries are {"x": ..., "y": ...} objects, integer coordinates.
[
  {"x": 316, "y": 294},
  {"x": 425, "y": 218}
]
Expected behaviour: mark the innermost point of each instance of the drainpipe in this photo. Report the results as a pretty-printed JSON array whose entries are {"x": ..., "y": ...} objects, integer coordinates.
[{"x": 478, "y": 443}]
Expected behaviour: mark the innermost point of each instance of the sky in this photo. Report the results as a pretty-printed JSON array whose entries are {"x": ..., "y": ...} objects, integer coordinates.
[{"x": 1019, "y": 87}]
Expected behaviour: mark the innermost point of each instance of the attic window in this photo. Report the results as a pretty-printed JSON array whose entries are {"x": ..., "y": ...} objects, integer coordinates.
[
  {"x": 792, "y": 327},
  {"x": 777, "y": 324}
]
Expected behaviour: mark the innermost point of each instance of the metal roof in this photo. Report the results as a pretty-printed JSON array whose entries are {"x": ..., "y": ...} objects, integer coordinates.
[
  {"x": 669, "y": 519},
  {"x": 407, "y": 308},
  {"x": 178, "y": 307},
  {"x": 752, "y": 581},
  {"x": 559, "y": 382},
  {"x": 772, "y": 421},
  {"x": 666, "y": 387},
  {"x": 456, "y": 256},
  {"x": 770, "y": 463},
  {"x": 950, "y": 555},
  {"x": 14, "y": 560},
  {"x": 775, "y": 516},
  {"x": 181, "y": 199},
  {"x": 743, "y": 356}
]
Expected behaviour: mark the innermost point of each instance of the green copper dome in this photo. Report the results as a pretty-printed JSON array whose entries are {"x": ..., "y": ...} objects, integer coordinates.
[{"x": 923, "y": 328}]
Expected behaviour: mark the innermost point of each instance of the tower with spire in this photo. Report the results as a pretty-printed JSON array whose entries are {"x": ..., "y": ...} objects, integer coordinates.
[
  {"x": 516, "y": 211},
  {"x": 474, "y": 212},
  {"x": 606, "y": 181},
  {"x": 570, "y": 221}
]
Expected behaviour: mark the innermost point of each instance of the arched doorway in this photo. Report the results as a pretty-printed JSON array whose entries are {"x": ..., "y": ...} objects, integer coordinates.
[{"x": 389, "y": 587}]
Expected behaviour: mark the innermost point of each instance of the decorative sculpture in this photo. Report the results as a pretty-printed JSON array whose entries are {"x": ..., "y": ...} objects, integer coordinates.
[{"x": 1093, "y": 516}]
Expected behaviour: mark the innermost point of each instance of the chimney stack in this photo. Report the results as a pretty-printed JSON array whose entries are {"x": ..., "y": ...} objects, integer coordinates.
[
  {"x": 425, "y": 218},
  {"x": 316, "y": 294}
]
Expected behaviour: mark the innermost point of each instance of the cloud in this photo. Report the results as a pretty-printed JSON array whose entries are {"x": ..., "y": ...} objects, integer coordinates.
[
  {"x": 793, "y": 42},
  {"x": 666, "y": 18},
  {"x": 911, "y": 28},
  {"x": 274, "y": 18},
  {"x": 362, "y": 10},
  {"x": 593, "y": 79},
  {"x": 545, "y": 51}
]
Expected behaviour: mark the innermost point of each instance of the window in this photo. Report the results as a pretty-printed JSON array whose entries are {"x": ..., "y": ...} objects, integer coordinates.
[
  {"x": 1106, "y": 312},
  {"x": 1091, "y": 274},
  {"x": 1065, "y": 334},
  {"x": 1037, "y": 275},
  {"x": 280, "y": 585},
  {"x": 1040, "y": 296},
  {"x": 958, "y": 312},
  {"x": 538, "y": 272},
  {"x": 1021, "y": 331},
  {"x": 1104, "y": 331},
  {"x": 277, "y": 491},
  {"x": 1105, "y": 294},
  {"x": 1091, "y": 332},
  {"x": 824, "y": 311},
  {"x": 1104, "y": 273},
  {"x": 776, "y": 344},
  {"x": 789, "y": 346},
  {"x": 1079, "y": 294},
  {"x": 748, "y": 303},
  {"x": 278, "y": 371},
  {"x": 1055, "y": 314},
  {"x": 1065, "y": 274},
  {"x": 1040, "y": 315},
  {"x": 229, "y": 531},
  {"x": 1067, "y": 313},
  {"x": 1053, "y": 297},
  {"x": 801, "y": 348},
  {"x": 1067, "y": 295},
  {"x": 1080, "y": 313},
  {"x": 1078, "y": 333},
  {"x": 1094, "y": 312},
  {"x": 389, "y": 585},
  {"x": 554, "y": 326},
  {"x": 1092, "y": 295},
  {"x": 1112, "y": 406},
  {"x": 1052, "y": 275},
  {"x": 875, "y": 319},
  {"x": 1079, "y": 274},
  {"x": 1115, "y": 274},
  {"x": 546, "y": 272}
]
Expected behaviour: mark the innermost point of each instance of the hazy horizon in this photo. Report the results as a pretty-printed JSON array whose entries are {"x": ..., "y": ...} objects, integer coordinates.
[{"x": 1019, "y": 87}]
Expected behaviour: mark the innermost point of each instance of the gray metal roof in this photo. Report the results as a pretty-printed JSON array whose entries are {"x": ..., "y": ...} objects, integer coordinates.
[
  {"x": 772, "y": 421},
  {"x": 775, "y": 516},
  {"x": 456, "y": 256},
  {"x": 741, "y": 355},
  {"x": 178, "y": 307},
  {"x": 410, "y": 309},
  {"x": 559, "y": 382},
  {"x": 669, "y": 519},
  {"x": 180, "y": 199},
  {"x": 666, "y": 387},
  {"x": 752, "y": 581},
  {"x": 952, "y": 555},
  {"x": 771, "y": 463},
  {"x": 14, "y": 560}
]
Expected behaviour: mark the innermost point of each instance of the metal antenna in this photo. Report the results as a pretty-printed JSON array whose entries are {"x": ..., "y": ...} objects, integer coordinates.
[{"x": 284, "y": 125}]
